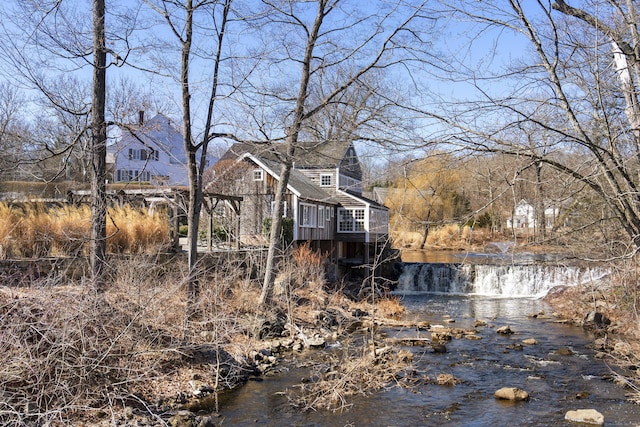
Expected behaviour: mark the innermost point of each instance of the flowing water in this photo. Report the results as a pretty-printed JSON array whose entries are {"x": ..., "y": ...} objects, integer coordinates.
[{"x": 556, "y": 383}]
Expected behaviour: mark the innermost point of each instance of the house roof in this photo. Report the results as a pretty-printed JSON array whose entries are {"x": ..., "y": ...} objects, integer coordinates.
[
  {"x": 309, "y": 155},
  {"x": 360, "y": 198},
  {"x": 157, "y": 131},
  {"x": 298, "y": 183}
]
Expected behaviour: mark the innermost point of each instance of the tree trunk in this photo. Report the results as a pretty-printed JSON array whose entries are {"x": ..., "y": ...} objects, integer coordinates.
[
  {"x": 540, "y": 216},
  {"x": 99, "y": 149},
  {"x": 195, "y": 188},
  {"x": 291, "y": 141},
  {"x": 274, "y": 236}
]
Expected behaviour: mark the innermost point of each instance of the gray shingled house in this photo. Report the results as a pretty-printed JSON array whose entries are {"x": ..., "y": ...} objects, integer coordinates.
[{"x": 324, "y": 198}]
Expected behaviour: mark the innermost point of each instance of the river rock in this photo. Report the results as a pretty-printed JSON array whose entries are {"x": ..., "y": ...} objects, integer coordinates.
[
  {"x": 182, "y": 419},
  {"x": 315, "y": 341},
  {"x": 565, "y": 351},
  {"x": 479, "y": 323},
  {"x": 530, "y": 341},
  {"x": 587, "y": 416},
  {"x": 199, "y": 388},
  {"x": 595, "y": 320},
  {"x": 511, "y": 393},
  {"x": 505, "y": 330},
  {"x": 438, "y": 347}
]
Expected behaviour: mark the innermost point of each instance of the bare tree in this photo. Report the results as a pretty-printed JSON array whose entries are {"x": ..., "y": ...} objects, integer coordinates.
[
  {"x": 13, "y": 131},
  {"x": 189, "y": 21},
  {"x": 560, "y": 83},
  {"x": 321, "y": 39},
  {"x": 98, "y": 150},
  {"x": 46, "y": 39}
]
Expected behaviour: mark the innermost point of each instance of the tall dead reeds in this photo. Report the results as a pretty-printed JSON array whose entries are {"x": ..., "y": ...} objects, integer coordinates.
[{"x": 33, "y": 230}]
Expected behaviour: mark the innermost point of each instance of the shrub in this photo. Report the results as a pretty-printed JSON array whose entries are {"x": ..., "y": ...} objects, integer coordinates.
[{"x": 287, "y": 230}]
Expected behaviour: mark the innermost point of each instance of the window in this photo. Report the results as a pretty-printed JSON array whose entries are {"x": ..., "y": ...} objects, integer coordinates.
[
  {"x": 124, "y": 175},
  {"x": 358, "y": 216},
  {"x": 258, "y": 175},
  {"x": 143, "y": 154},
  {"x": 351, "y": 220},
  {"x": 307, "y": 215},
  {"x": 321, "y": 213},
  {"x": 154, "y": 154},
  {"x": 326, "y": 180},
  {"x": 345, "y": 222}
]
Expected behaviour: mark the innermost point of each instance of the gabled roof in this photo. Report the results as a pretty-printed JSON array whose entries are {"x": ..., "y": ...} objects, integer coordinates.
[
  {"x": 298, "y": 183},
  {"x": 360, "y": 198},
  {"x": 309, "y": 155},
  {"x": 157, "y": 131}
]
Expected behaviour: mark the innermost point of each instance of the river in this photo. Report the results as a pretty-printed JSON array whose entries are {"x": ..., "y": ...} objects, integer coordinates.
[{"x": 554, "y": 381}]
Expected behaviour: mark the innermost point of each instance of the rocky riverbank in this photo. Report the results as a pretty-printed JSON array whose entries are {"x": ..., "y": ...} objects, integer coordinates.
[{"x": 616, "y": 331}]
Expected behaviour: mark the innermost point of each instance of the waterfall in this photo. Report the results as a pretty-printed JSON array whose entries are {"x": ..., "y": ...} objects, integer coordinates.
[{"x": 529, "y": 280}]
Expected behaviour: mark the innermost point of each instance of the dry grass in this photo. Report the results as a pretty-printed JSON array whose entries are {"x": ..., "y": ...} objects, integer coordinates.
[
  {"x": 406, "y": 239},
  {"x": 70, "y": 227},
  {"x": 136, "y": 231},
  {"x": 67, "y": 353},
  {"x": 449, "y": 237},
  {"x": 389, "y": 306},
  {"x": 353, "y": 371},
  {"x": 33, "y": 230},
  {"x": 300, "y": 285}
]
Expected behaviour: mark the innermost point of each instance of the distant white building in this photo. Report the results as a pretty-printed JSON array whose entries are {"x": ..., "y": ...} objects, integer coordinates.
[
  {"x": 153, "y": 152},
  {"x": 524, "y": 216}
]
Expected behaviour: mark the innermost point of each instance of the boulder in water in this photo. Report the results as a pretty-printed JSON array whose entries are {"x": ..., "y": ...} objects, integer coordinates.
[
  {"x": 530, "y": 341},
  {"x": 565, "y": 351},
  {"x": 438, "y": 347},
  {"x": 511, "y": 393},
  {"x": 586, "y": 416},
  {"x": 505, "y": 330}
]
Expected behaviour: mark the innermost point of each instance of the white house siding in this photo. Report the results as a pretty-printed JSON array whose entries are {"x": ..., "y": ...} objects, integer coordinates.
[{"x": 155, "y": 154}]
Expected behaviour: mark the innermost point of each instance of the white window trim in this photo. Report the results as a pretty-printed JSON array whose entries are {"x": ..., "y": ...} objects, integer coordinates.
[
  {"x": 311, "y": 217},
  {"x": 321, "y": 216},
  {"x": 258, "y": 175},
  {"x": 326, "y": 175},
  {"x": 354, "y": 220}
]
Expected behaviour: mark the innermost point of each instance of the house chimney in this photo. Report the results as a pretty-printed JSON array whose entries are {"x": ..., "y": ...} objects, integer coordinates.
[{"x": 141, "y": 117}]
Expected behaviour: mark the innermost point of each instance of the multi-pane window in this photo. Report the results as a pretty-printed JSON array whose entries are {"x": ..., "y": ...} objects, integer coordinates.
[
  {"x": 126, "y": 175},
  {"x": 351, "y": 220},
  {"x": 345, "y": 222},
  {"x": 358, "y": 217},
  {"x": 326, "y": 180},
  {"x": 321, "y": 214},
  {"x": 143, "y": 154},
  {"x": 307, "y": 215},
  {"x": 258, "y": 175}
]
